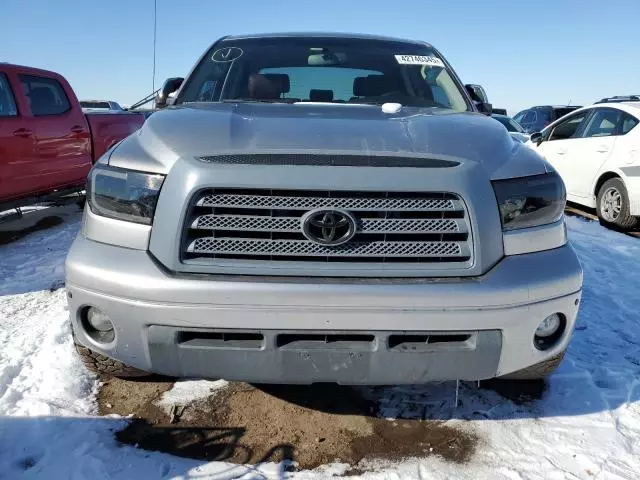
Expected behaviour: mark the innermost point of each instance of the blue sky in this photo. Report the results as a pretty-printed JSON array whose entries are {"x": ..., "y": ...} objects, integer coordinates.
[{"x": 523, "y": 53}]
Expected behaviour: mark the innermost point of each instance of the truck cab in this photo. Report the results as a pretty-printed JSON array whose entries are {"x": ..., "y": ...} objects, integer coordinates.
[{"x": 47, "y": 143}]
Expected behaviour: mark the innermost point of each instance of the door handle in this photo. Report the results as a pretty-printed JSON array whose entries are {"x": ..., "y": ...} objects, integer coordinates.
[
  {"x": 561, "y": 151},
  {"x": 602, "y": 149},
  {"x": 22, "y": 132},
  {"x": 77, "y": 129}
]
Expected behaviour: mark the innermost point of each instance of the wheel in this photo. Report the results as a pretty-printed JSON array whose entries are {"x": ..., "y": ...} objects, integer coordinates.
[
  {"x": 103, "y": 365},
  {"x": 613, "y": 205},
  {"x": 537, "y": 371}
]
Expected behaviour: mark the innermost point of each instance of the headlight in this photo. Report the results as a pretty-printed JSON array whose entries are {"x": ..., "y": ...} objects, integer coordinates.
[
  {"x": 530, "y": 201},
  {"x": 123, "y": 194}
]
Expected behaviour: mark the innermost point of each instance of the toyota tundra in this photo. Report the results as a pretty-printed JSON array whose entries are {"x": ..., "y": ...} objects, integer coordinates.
[{"x": 323, "y": 208}]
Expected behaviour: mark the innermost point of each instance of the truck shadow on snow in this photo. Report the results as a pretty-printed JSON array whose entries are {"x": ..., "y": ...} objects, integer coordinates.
[
  {"x": 201, "y": 443},
  {"x": 33, "y": 248},
  {"x": 66, "y": 447},
  {"x": 44, "y": 223}
]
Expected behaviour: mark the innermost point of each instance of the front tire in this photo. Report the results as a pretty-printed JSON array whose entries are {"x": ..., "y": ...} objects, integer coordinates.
[
  {"x": 538, "y": 371},
  {"x": 613, "y": 205},
  {"x": 105, "y": 366}
]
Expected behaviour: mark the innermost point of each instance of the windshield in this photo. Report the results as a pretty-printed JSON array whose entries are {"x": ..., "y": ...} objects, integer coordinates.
[
  {"x": 325, "y": 70},
  {"x": 510, "y": 124}
]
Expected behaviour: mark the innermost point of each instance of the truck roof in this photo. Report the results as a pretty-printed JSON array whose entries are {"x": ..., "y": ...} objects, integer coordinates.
[
  {"x": 13, "y": 66},
  {"x": 361, "y": 36}
]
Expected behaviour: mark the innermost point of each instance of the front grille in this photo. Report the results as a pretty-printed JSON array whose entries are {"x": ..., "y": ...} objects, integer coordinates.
[{"x": 266, "y": 225}]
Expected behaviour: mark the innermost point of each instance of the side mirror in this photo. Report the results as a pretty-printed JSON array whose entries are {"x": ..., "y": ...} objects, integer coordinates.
[
  {"x": 169, "y": 86},
  {"x": 485, "y": 107},
  {"x": 536, "y": 138},
  {"x": 479, "y": 98},
  {"x": 477, "y": 93}
]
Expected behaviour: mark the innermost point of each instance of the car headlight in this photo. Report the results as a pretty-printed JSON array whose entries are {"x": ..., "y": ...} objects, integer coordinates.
[
  {"x": 123, "y": 194},
  {"x": 530, "y": 201}
]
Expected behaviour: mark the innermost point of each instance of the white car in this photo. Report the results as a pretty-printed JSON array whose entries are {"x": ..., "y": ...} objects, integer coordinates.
[{"x": 596, "y": 150}]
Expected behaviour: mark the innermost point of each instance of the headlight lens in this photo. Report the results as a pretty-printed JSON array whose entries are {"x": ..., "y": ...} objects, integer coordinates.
[
  {"x": 123, "y": 194},
  {"x": 530, "y": 201}
]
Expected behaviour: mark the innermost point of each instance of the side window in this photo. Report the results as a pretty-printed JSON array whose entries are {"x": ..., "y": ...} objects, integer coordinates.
[
  {"x": 519, "y": 116},
  {"x": 603, "y": 123},
  {"x": 628, "y": 122},
  {"x": 544, "y": 117},
  {"x": 207, "y": 91},
  {"x": 7, "y": 101},
  {"x": 529, "y": 117},
  {"x": 45, "y": 95},
  {"x": 568, "y": 128},
  {"x": 561, "y": 112}
]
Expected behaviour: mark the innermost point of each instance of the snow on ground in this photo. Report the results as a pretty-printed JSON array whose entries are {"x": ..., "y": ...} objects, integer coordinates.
[
  {"x": 586, "y": 425},
  {"x": 36, "y": 358},
  {"x": 186, "y": 391},
  {"x": 36, "y": 262}
]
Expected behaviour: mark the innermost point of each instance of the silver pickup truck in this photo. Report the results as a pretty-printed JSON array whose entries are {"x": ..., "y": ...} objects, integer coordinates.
[{"x": 323, "y": 208}]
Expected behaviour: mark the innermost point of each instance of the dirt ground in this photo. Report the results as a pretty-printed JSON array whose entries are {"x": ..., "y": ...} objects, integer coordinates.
[{"x": 311, "y": 425}]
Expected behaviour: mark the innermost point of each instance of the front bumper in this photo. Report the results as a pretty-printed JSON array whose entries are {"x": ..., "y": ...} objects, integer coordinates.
[
  {"x": 632, "y": 183},
  {"x": 305, "y": 330}
]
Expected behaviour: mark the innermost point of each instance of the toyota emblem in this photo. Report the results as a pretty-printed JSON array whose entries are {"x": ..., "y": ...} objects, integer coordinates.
[{"x": 328, "y": 227}]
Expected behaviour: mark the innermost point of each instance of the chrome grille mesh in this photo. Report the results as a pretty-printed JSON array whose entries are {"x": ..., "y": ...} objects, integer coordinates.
[
  {"x": 266, "y": 225},
  {"x": 247, "y": 222},
  {"x": 292, "y": 224},
  {"x": 307, "y": 248},
  {"x": 308, "y": 203}
]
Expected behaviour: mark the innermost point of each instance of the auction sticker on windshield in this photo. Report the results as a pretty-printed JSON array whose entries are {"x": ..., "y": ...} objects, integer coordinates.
[
  {"x": 228, "y": 54},
  {"x": 419, "y": 60}
]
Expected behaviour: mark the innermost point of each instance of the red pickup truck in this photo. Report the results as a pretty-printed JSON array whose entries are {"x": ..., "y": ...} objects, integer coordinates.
[{"x": 47, "y": 143}]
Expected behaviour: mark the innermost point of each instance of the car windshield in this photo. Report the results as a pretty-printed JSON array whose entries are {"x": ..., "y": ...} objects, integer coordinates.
[
  {"x": 328, "y": 70},
  {"x": 510, "y": 124}
]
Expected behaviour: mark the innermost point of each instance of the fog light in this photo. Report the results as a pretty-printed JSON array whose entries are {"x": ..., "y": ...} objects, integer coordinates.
[
  {"x": 549, "y": 326},
  {"x": 550, "y": 331},
  {"x": 98, "y": 320},
  {"x": 98, "y": 325}
]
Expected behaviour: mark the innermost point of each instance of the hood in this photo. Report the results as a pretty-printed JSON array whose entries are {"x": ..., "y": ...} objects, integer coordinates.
[
  {"x": 519, "y": 137},
  {"x": 222, "y": 128}
]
